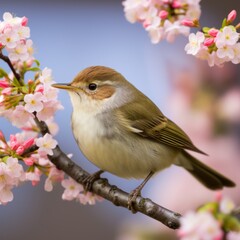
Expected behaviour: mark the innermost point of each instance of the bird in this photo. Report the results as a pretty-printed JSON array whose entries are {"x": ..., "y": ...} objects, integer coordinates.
[{"x": 121, "y": 131}]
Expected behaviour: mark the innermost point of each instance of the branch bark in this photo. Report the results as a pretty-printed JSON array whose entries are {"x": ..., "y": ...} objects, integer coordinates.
[{"x": 101, "y": 186}]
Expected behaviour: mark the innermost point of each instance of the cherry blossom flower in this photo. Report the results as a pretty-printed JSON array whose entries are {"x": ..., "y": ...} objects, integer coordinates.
[
  {"x": 11, "y": 173},
  {"x": 33, "y": 102},
  {"x": 228, "y": 36},
  {"x": 54, "y": 176},
  {"x": 201, "y": 225},
  {"x": 174, "y": 29},
  {"x": 9, "y": 38},
  {"x": 46, "y": 77},
  {"x": 89, "y": 198},
  {"x": 33, "y": 176},
  {"x": 20, "y": 116},
  {"x": 162, "y": 19},
  {"x": 72, "y": 189},
  {"x": 46, "y": 144},
  {"x": 18, "y": 53},
  {"x": 195, "y": 41}
]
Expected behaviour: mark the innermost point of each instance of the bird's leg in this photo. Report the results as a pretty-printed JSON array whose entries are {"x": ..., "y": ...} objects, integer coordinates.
[
  {"x": 137, "y": 192},
  {"x": 89, "y": 180}
]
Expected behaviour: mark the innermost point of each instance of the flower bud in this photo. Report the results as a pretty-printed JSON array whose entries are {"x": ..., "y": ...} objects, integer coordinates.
[
  {"x": 4, "y": 84},
  {"x": 163, "y": 14},
  {"x": 29, "y": 161},
  {"x": 28, "y": 143},
  {"x": 208, "y": 42},
  {"x": 24, "y": 21},
  {"x": 20, "y": 150},
  {"x": 213, "y": 32},
  {"x": 176, "y": 4},
  {"x": 188, "y": 23},
  {"x": 231, "y": 16}
]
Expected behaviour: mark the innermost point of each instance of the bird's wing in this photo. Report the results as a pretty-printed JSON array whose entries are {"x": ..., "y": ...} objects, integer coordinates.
[{"x": 158, "y": 128}]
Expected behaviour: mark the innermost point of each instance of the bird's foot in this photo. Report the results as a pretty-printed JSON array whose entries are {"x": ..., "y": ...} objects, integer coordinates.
[
  {"x": 89, "y": 180},
  {"x": 132, "y": 199}
]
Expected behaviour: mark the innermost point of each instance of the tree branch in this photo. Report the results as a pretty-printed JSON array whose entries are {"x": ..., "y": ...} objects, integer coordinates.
[
  {"x": 112, "y": 193},
  {"x": 9, "y": 63}
]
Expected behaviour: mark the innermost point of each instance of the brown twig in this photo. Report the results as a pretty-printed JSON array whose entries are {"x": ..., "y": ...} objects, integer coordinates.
[{"x": 7, "y": 60}]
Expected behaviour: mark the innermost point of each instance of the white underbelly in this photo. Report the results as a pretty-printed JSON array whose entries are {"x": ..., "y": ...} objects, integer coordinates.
[{"x": 127, "y": 159}]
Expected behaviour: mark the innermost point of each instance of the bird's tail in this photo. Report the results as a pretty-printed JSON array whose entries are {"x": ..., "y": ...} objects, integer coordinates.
[{"x": 206, "y": 175}]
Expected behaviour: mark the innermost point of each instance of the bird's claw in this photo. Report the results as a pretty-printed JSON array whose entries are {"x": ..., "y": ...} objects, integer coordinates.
[
  {"x": 132, "y": 199},
  {"x": 89, "y": 180}
]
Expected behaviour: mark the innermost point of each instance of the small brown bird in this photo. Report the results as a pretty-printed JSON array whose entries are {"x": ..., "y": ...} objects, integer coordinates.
[{"x": 123, "y": 132}]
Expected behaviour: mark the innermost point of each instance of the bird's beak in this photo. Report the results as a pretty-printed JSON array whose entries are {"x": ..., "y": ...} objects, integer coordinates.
[{"x": 66, "y": 86}]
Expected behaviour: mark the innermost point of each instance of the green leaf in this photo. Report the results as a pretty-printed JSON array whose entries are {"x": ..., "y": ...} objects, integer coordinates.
[
  {"x": 33, "y": 69},
  {"x": 3, "y": 73},
  {"x": 224, "y": 23},
  {"x": 205, "y": 29},
  {"x": 37, "y": 62},
  {"x": 25, "y": 89},
  {"x": 16, "y": 83}
]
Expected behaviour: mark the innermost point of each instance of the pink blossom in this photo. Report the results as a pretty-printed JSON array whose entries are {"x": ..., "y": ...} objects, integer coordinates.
[
  {"x": 201, "y": 225},
  {"x": 213, "y": 32},
  {"x": 14, "y": 144},
  {"x": 23, "y": 32},
  {"x": 28, "y": 143},
  {"x": 54, "y": 176},
  {"x": 46, "y": 77},
  {"x": 33, "y": 102},
  {"x": 21, "y": 117},
  {"x": 225, "y": 51},
  {"x": 9, "y": 38},
  {"x": 228, "y": 36},
  {"x": 19, "y": 53},
  {"x": 11, "y": 173},
  {"x": 7, "y": 91},
  {"x": 20, "y": 150},
  {"x": 4, "y": 84},
  {"x": 29, "y": 161},
  {"x": 236, "y": 50},
  {"x": 208, "y": 42},
  {"x": 195, "y": 41},
  {"x": 72, "y": 189},
  {"x": 174, "y": 29},
  {"x": 6, "y": 194},
  {"x": 46, "y": 144},
  {"x": 188, "y": 23},
  {"x": 53, "y": 126},
  {"x": 135, "y": 10},
  {"x": 176, "y": 4},
  {"x": 89, "y": 198},
  {"x": 24, "y": 21},
  {"x": 163, "y": 14},
  {"x": 231, "y": 16},
  {"x": 34, "y": 177}
]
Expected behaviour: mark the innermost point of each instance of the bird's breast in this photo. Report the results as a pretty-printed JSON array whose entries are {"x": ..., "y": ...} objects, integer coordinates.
[{"x": 113, "y": 150}]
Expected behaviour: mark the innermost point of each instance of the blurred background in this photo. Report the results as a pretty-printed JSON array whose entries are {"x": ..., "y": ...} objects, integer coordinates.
[{"x": 71, "y": 35}]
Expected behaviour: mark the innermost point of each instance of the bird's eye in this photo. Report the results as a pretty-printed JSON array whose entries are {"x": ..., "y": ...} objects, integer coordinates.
[{"x": 92, "y": 86}]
